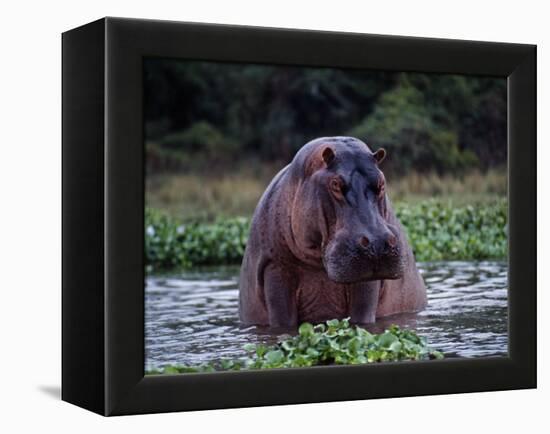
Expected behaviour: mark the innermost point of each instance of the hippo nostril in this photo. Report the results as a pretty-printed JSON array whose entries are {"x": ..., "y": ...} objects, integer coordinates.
[
  {"x": 364, "y": 241},
  {"x": 391, "y": 241}
]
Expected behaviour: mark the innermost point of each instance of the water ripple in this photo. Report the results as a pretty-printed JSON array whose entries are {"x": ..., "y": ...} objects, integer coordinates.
[{"x": 192, "y": 317}]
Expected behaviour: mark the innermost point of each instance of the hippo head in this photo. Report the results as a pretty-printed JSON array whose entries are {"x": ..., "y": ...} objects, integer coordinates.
[{"x": 340, "y": 214}]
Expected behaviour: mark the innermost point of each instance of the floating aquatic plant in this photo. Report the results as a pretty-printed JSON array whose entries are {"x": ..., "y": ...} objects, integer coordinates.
[
  {"x": 332, "y": 343},
  {"x": 437, "y": 230}
]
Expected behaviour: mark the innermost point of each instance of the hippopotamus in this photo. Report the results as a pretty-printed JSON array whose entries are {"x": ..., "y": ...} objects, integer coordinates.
[{"x": 325, "y": 243}]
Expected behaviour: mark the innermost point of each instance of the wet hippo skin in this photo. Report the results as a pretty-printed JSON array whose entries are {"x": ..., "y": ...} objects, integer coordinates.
[{"x": 325, "y": 243}]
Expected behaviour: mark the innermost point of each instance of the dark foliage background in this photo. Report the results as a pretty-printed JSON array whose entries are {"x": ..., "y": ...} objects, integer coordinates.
[{"x": 199, "y": 114}]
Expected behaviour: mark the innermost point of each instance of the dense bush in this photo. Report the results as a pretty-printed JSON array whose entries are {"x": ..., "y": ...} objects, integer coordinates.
[
  {"x": 206, "y": 110},
  {"x": 333, "y": 343},
  {"x": 437, "y": 231},
  {"x": 170, "y": 244},
  {"x": 404, "y": 123}
]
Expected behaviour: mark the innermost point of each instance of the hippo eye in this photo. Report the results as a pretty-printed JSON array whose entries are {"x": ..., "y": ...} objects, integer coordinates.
[
  {"x": 380, "y": 187},
  {"x": 380, "y": 190},
  {"x": 337, "y": 186}
]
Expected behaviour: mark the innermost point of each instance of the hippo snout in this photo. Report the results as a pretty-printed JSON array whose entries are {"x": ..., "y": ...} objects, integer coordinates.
[
  {"x": 382, "y": 243},
  {"x": 364, "y": 257}
]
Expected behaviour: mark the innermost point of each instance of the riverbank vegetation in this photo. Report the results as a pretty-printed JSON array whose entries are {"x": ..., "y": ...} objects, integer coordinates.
[
  {"x": 217, "y": 133},
  {"x": 332, "y": 343},
  {"x": 436, "y": 229},
  {"x": 223, "y": 192}
]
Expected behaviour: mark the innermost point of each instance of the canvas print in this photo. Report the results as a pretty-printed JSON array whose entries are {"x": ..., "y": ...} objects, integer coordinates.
[{"x": 299, "y": 216}]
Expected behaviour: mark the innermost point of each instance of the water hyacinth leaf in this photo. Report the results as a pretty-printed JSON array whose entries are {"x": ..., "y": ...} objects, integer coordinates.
[
  {"x": 274, "y": 356},
  {"x": 303, "y": 344},
  {"x": 333, "y": 323},
  {"x": 365, "y": 335},
  {"x": 306, "y": 329},
  {"x": 249, "y": 347},
  {"x": 373, "y": 356},
  {"x": 319, "y": 328},
  {"x": 287, "y": 345},
  {"x": 334, "y": 344},
  {"x": 386, "y": 339},
  {"x": 314, "y": 339},
  {"x": 437, "y": 354},
  {"x": 354, "y": 344},
  {"x": 360, "y": 360},
  {"x": 170, "y": 370},
  {"x": 261, "y": 350},
  {"x": 312, "y": 352},
  {"x": 396, "y": 346}
]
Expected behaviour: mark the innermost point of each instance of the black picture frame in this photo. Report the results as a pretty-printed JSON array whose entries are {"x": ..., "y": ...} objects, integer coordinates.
[{"x": 103, "y": 223}]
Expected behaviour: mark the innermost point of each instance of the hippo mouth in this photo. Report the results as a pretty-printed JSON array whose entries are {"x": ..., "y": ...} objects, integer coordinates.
[
  {"x": 352, "y": 268},
  {"x": 362, "y": 276},
  {"x": 381, "y": 271}
]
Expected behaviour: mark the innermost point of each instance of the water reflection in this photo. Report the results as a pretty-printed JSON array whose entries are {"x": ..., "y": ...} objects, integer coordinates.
[{"x": 192, "y": 317}]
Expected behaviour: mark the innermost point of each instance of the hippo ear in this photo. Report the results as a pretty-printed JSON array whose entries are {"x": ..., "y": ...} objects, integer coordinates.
[
  {"x": 379, "y": 155},
  {"x": 328, "y": 156}
]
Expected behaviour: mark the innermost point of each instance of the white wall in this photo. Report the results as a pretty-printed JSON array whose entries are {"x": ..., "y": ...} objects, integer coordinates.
[{"x": 30, "y": 101}]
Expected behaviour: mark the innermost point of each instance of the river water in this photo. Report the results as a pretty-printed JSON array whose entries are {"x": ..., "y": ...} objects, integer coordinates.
[{"x": 192, "y": 317}]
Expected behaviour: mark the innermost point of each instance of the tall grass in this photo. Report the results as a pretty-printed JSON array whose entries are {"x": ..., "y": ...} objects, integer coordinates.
[
  {"x": 223, "y": 194},
  {"x": 220, "y": 193},
  {"x": 471, "y": 187}
]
